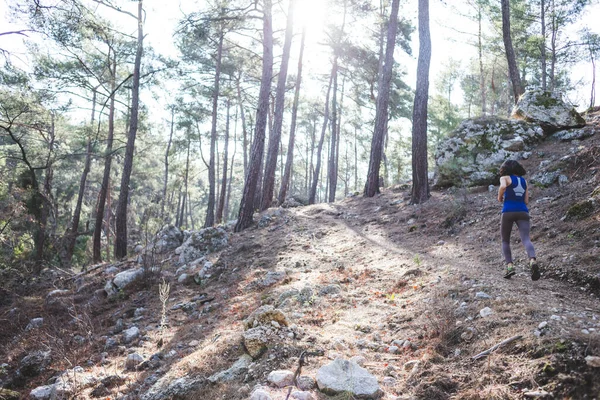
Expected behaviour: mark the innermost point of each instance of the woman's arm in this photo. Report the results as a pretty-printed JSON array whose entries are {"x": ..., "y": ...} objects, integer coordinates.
[
  {"x": 526, "y": 196},
  {"x": 503, "y": 186}
]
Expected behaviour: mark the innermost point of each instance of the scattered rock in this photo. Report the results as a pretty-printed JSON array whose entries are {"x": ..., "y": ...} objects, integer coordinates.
[
  {"x": 593, "y": 361},
  {"x": 540, "y": 394},
  {"x": 330, "y": 289},
  {"x": 131, "y": 334},
  {"x": 302, "y": 395},
  {"x": 126, "y": 278},
  {"x": 486, "y": 312},
  {"x": 264, "y": 315},
  {"x": 34, "y": 364},
  {"x": 272, "y": 278},
  {"x": 255, "y": 341},
  {"x": 167, "y": 239},
  {"x": 35, "y": 324},
  {"x": 42, "y": 392},
  {"x": 202, "y": 242},
  {"x": 306, "y": 383},
  {"x": 238, "y": 369},
  {"x": 342, "y": 376},
  {"x": 133, "y": 360},
  {"x": 411, "y": 365},
  {"x": 281, "y": 378},
  {"x": 260, "y": 394},
  {"x": 482, "y": 295}
]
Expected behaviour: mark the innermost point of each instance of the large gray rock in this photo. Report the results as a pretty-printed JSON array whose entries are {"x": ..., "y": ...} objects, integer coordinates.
[
  {"x": 343, "y": 376},
  {"x": 473, "y": 153},
  {"x": 168, "y": 388},
  {"x": 126, "y": 278},
  {"x": 42, "y": 392},
  {"x": 239, "y": 368},
  {"x": 548, "y": 110},
  {"x": 281, "y": 378},
  {"x": 168, "y": 238},
  {"x": 34, "y": 364},
  {"x": 202, "y": 242}
]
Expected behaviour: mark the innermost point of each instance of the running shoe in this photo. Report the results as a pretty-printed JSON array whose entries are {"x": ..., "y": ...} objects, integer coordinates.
[
  {"x": 535, "y": 269},
  {"x": 510, "y": 271}
]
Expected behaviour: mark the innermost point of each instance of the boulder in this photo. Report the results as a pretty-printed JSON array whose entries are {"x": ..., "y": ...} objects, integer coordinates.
[
  {"x": 34, "y": 364},
  {"x": 260, "y": 394},
  {"x": 126, "y": 278},
  {"x": 239, "y": 368},
  {"x": 42, "y": 392},
  {"x": 167, "y": 239},
  {"x": 255, "y": 341},
  {"x": 473, "y": 152},
  {"x": 343, "y": 376},
  {"x": 264, "y": 315},
  {"x": 133, "y": 360},
  {"x": 548, "y": 110},
  {"x": 131, "y": 334},
  {"x": 168, "y": 388},
  {"x": 202, "y": 242}
]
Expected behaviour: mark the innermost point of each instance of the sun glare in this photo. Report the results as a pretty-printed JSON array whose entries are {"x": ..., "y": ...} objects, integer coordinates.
[{"x": 310, "y": 13}]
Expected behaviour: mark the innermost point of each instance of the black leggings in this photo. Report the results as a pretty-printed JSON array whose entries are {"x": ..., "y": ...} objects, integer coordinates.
[{"x": 506, "y": 222}]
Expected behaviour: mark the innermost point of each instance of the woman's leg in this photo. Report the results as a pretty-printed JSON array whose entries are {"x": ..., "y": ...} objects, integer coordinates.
[
  {"x": 524, "y": 228},
  {"x": 506, "y": 223}
]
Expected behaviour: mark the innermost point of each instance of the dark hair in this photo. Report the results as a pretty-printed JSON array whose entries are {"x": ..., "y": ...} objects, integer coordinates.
[{"x": 512, "y": 167}]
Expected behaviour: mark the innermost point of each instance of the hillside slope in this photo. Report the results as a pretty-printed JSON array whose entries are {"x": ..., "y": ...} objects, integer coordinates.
[{"x": 351, "y": 278}]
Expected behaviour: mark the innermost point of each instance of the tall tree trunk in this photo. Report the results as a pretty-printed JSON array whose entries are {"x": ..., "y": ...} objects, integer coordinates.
[
  {"x": 166, "y": 179},
  {"x": 210, "y": 208},
  {"x": 45, "y": 199},
  {"x": 223, "y": 193},
  {"x": 332, "y": 167},
  {"x": 275, "y": 137},
  {"x": 186, "y": 195},
  {"x": 543, "y": 44},
  {"x": 420, "y": 187},
  {"x": 381, "y": 113},
  {"x": 285, "y": 181},
  {"x": 553, "y": 47},
  {"x": 593, "y": 91},
  {"x": 481, "y": 70},
  {"x": 121, "y": 221},
  {"x": 317, "y": 172},
  {"x": 244, "y": 129},
  {"x": 235, "y": 139},
  {"x": 96, "y": 247},
  {"x": 355, "y": 158},
  {"x": 74, "y": 230},
  {"x": 510, "y": 52},
  {"x": 247, "y": 203}
]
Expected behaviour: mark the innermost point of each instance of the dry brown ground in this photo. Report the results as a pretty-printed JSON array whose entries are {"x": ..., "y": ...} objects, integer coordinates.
[{"x": 404, "y": 271}]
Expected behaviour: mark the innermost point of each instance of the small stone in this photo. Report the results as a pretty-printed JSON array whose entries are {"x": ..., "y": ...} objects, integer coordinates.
[
  {"x": 306, "y": 383},
  {"x": 133, "y": 360},
  {"x": 408, "y": 345},
  {"x": 35, "y": 324},
  {"x": 131, "y": 334},
  {"x": 260, "y": 394},
  {"x": 441, "y": 243},
  {"x": 482, "y": 295},
  {"x": 398, "y": 343},
  {"x": 193, "y": 343},
  {"x": 585, "y": 331},
  {"x": 467, "y": 334},
  {"x": 593, "y": 361},
  {"x": 302, "y": 395},
  {"x": 543, "y": 324},
  {"x": 539, "y": 394},
  {"x": 275, "y": 324},
  {"x": 389, "y": 381},
  {"x": 393, "y": 349},
  {"x": 42, "y": 392},
  {"x": 411, "y": 365},
  {"x": 338, "y": 344},
  {"x": 281, "y": 378},
  {"x": 555, "y": 317},
  {"x": 486, "y": 312},
  {"x": 360, "y": 360},
  {"x": 183, "y": 278}
]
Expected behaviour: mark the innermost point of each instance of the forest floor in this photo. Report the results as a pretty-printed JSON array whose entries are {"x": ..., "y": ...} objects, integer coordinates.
[{"x": 379, "y": 269}]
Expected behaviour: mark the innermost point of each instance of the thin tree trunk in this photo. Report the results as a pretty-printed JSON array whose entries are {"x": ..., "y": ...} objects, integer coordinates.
[
  {"x": 317, "y": 172},
  {"x": 543, "y": 44},
  {"x": 235, "y": 138},
  {"x": 381, "y": 113},
  {"x": 121, "y": 222},
  {"x": 45, "y": 200},
  {"x": 510, "y": 52},
  {"x": 96, "y": 247},
  {"x": 248, "y": 197},
  {"x": 275, "y": 137},
  {"x": 244, "y": 130},
  {"x": 74, "y": 231},
  {"x": 593, "y": 91},
  {"x": 285, "y": 181},
  {"x": 331, "y": 167},
  {"x": 186, "y": 195},
  {"x": 481, "y": 70},
  {"x": 223, "y": 193},
  {"x": 210, "y": 208},
  {"x": 355, "y": 158},
  {"x": 164, "y": 197},
  {"x": 420, "y": 188},
  {"x": 553, "y": 47}
]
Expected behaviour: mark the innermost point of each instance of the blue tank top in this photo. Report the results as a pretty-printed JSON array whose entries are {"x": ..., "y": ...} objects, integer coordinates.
[{"x": 514, "y": 196}]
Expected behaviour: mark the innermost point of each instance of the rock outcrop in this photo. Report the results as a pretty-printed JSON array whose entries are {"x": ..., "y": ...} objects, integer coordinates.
[
  {"x": 548, "y": 110},
  {"x": 473, "y": 153}
]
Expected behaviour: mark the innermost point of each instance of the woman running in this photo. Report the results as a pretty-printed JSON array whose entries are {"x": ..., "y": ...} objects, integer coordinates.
[{"x": 515, "y": 196}]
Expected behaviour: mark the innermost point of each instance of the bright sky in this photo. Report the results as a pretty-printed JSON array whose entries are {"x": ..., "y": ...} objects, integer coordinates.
[{"x": 162, "y": 17}]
